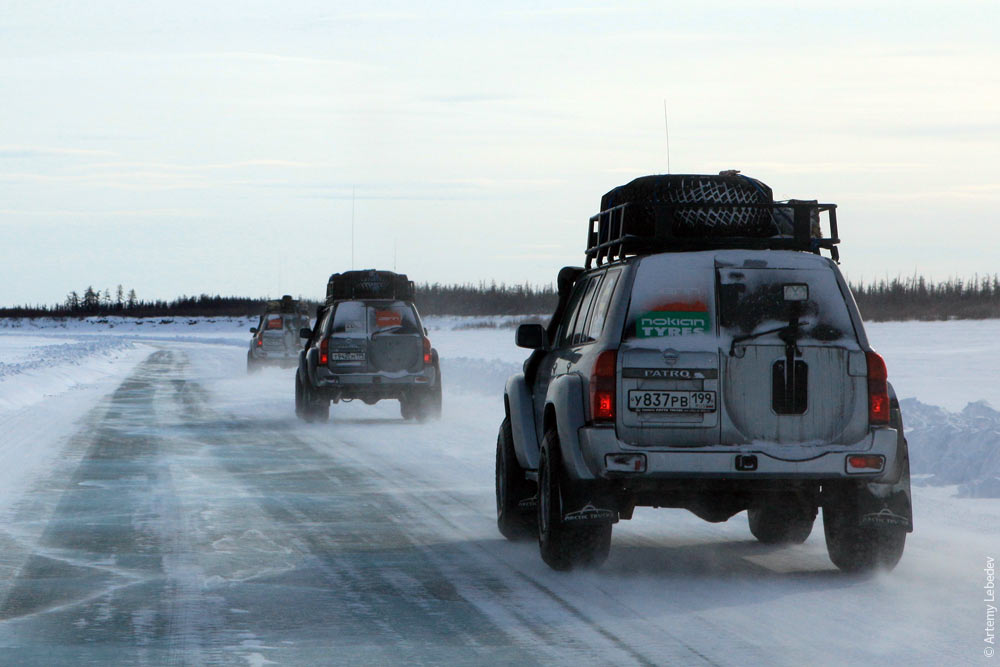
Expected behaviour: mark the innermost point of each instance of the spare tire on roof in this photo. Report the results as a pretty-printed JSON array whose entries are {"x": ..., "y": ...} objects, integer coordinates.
[{"x": 645, "y": 193}]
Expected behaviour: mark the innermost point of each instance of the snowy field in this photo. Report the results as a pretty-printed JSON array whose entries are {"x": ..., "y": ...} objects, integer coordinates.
[{"x": 159, "y": 506}]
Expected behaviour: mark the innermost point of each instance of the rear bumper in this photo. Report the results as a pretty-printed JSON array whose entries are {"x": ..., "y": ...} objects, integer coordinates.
[
  {"x": 791, "y": 462},
  {"x": 264, "y": 357},
  {"x": 374, "y": 383}
]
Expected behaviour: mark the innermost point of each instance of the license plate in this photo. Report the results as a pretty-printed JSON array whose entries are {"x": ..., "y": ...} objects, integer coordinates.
[
  {"x": 671, "y": 401},
  {"x": 347, "y": 356}
]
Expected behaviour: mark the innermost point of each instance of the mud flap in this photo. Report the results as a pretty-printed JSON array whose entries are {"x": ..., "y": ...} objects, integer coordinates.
[
  {"x": 889, "y": 503},
  {"x": 588, "y": 504}
]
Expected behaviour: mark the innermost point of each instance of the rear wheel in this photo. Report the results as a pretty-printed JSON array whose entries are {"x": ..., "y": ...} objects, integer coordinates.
[
  {"x": 514, "y": 522},
  {"x": 564, "y": 547},
  {"x": 298, "y": 397},
  {"x": 435, "y": 394},
  {"x": 861, "y": 548},
  {"x": 781, "y": 520},
  {"x": 251, "y": 365},
  {"x": 314, "y": 407}
]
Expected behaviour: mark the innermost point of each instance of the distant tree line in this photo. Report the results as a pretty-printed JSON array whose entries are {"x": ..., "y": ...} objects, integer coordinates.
[
  {"x": 431, "y": 299},
  {"x": 485, "y": 299},
  {"x": 105, "y": 303},
  {"x": 916, "y": 298},
  {"x": 888, "y": 299}
]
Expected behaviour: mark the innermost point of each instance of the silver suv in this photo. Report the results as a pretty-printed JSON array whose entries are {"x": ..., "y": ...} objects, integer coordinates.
[
  {"x": 275, "y": 340},
  {"x": 713, "y": 373},
  {"x": 369, "y": 344}
]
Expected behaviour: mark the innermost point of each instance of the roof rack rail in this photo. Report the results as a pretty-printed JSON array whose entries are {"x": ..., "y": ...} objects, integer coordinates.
[{"x": 624, "y": 230}]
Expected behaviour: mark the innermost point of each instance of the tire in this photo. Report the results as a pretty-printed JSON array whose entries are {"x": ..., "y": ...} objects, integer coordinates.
[
  {"x": 406, "y": 408},
  {"x": 861, "y": 548},
  {"x": 564, "y": 547},
  {"x": 299, "y": 403},
  {"x": 511, "y": 488},
  {"x": 251, "y": 366},
  {"x": 435, "y": 395},
  {"x": 781, "y": 520},
  {"x": 314, "y": 408},
  {"x": 426, "y": 404}
]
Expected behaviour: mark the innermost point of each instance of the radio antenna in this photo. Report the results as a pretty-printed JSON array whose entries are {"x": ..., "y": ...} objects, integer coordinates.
[
  {"x": 666, "y": 129},
  {"x": 352, "y": 228}
]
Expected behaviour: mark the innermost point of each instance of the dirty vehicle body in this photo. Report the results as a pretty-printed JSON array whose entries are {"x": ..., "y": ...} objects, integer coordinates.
[
  {"x": 369, "y": 344},
  {"x": 717, "y": 373},
  {"x": 276, "y": 340}
]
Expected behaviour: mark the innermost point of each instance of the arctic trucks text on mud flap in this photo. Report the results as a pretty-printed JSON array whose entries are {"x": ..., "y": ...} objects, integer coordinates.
[
  {"x": 708, "y": 358},
  {"x": 368, "y": 343},
  {"x": 275, "y": 340}
]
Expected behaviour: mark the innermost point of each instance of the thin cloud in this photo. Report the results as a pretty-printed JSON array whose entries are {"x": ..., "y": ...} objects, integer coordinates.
[{"x": 22, "y": 152}]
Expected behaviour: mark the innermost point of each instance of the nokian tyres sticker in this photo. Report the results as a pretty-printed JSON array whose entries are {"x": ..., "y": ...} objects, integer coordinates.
[{"x": 665, "y": 323}]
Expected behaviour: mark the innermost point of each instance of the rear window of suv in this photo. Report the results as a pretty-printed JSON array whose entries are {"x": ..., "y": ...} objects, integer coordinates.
[
  {"x": 673, "y": 300},
  {"x": 362, "y": 318},
  {"x": 751, "y": 301}
]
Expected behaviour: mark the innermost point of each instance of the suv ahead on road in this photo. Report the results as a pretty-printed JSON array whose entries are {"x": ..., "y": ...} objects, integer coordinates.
[
  {"x": 275, "y": 340},
  {"x": 368, "y": 343},
  {"x": 707, "y": 358}
]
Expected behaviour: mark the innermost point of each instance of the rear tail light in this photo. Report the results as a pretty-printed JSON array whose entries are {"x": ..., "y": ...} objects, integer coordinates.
[
  {"x": 878, "y": 390},
  {"x": 865, "y": 463},
  {"x": 602, "y": 386},
  {"x": 260, "y": 342},
  {"x": 324, "y": 351},
  {"x": 427, "y": 350}
]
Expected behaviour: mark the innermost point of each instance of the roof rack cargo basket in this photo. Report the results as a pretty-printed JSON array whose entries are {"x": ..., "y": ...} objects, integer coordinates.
[
  {"x": 369, "y": 284},
  {"x": 675, "y": 213},
  {"x": 285, "y": 304}
]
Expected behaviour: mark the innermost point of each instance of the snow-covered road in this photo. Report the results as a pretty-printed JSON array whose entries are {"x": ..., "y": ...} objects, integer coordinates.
[{"x": 183, "y": 515}]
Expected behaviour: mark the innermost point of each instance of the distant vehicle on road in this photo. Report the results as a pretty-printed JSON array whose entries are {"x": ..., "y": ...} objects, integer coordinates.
[
  {"x": 276, "y": 340},
  {"x": 707, "y": 357},
  {"x": 369, "y": 344}
]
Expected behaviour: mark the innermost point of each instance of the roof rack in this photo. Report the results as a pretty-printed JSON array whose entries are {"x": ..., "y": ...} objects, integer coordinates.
[
  {"x": 369, "y": 284},
  {"x": 627, "y": 229},
  {"x": 285, "y": 304}
]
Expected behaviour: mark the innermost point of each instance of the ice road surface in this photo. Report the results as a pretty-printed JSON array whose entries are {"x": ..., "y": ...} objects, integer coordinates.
[{"x": 159, "y": 506}]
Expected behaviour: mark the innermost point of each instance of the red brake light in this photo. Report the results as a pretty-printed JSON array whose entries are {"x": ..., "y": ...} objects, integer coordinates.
[
  {"x": 427, "y": 350},
  {"x": 602, "y": 386},
  {"x": 260, "y": 342},
  {"x": 865, "y": 462},
  {"x": 324, "y": 351},
  {"x": 878, "y": 390}
]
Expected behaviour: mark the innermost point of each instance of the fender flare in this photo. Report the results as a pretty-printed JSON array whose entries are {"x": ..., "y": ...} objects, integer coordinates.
[
  {"x": 521, "y": 412},
  {"x": 565, "y": 398}
]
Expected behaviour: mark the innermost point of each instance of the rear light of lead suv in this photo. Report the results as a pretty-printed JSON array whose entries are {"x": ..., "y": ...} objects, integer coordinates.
[
  {"x": 427, "y": 350},
  {"x": 602, "y": 386},
  {"x": 324, "y": 351},
  {"x": 878, "y": 390}
]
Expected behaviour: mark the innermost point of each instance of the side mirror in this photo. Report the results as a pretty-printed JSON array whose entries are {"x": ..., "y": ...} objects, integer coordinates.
[
  {"x": 305, "y": 332},
  {"x": 253, "y": 329},
  {"x": 531, "y": 336}
]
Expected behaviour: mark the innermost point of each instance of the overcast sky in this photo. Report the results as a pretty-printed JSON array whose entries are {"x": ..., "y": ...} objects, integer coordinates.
[{"x": 213, "y": 147}]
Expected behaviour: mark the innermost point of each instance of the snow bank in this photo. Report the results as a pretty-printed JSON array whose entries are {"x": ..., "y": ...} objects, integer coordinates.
[
  {"x": 955, "y": 447},
  {"x": 29, "y": 375}
]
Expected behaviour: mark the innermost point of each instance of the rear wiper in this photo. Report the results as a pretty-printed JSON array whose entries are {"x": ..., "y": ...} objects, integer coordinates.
[
  {"x": 789, "y": 335},
  {"x": 392, "y": 329}
]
